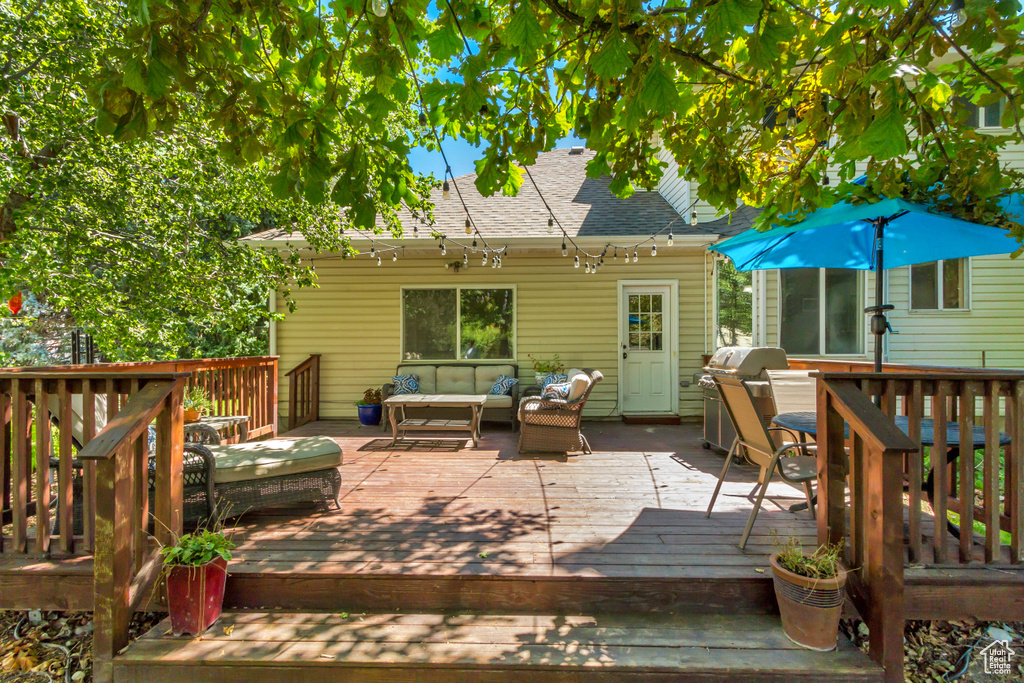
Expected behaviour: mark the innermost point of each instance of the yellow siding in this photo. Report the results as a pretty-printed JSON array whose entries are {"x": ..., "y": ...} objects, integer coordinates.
[{"x": 353, "y": 319}]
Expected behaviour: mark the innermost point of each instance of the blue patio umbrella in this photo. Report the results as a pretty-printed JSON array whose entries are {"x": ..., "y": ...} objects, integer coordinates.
[{"x": 887, "y": 234}]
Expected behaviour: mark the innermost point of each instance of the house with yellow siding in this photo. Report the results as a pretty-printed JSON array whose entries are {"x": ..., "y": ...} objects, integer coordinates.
[{"x": 641, "y": 316}]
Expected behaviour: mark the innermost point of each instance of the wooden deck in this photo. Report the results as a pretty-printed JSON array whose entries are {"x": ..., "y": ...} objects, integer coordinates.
[{"x": 436, "y": 508}]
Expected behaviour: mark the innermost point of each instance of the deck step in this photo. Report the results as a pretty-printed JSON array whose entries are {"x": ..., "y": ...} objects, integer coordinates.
[
  {"x": 695, "y": 589},
  {"x": 477, "y": 648}
]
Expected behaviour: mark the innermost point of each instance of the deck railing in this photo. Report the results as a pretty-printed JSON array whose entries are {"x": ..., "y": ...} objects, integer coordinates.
[
  {"x": 870, "y": 521},
  {"x": 304, "y": 392}
]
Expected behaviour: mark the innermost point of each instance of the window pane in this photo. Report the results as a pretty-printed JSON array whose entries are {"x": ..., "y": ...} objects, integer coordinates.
[
  {"x": 971, "y": 110},
  {"x": 656, "y": 341},
  {"x": 429, "y": 324},
  {"x": 954, "y": 291},
  {"x": 993, "y": 113},
  {"x": 634, "y": 303},
  {"x": 656, "y": 303},
  {"x": 924, "y": 286},
  {"x": 842, "y": 311},
  {"x": 488, "y": 319},
  {"x": 735, "y": 306},
  {"x": 798, "y": 331}
]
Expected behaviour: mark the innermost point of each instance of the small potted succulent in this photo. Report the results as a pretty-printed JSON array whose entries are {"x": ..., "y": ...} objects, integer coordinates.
[
  {"x": 809, "y": 589},
  {"x": 197, "y": 569},
  {"x": 369, "y": 407},
  {"x": 195, "y": 401},
  {"x": 542, "y": 368}
]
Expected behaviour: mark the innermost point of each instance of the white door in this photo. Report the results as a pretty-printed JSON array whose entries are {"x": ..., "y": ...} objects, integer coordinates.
[{"x": 646, "y": 325}]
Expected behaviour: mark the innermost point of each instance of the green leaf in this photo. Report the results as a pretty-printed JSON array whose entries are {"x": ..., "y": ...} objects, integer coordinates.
[
  {"x": 524, "y": 30},
  {"x": 133, "y": 76},
  {"x": 158, "y": 79},
  {"x": 659, "y": 91},
  {"x": 612, "y": 59},
  {"x": 444, "y": 42},
  {"x": 886, "y": 137}
]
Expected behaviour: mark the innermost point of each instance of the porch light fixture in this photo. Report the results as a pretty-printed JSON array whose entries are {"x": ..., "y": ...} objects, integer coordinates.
[
  {"x": 669, "y": 243},
  {"x": 693, "y": 218},
  {"x": 446, "y": 190},
  {"x": 565, "y": 252},
  {"x": 469, "y": 228}
]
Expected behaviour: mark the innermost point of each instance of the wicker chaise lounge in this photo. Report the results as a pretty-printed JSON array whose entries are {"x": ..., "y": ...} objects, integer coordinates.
[{"x": 553, "y": 426}]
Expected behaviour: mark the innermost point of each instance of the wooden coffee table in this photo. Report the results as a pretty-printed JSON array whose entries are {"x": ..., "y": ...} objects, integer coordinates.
[{"x": 475, "y": 403}]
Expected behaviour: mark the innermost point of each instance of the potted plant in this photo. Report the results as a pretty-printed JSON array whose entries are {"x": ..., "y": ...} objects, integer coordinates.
[
  {"x": 809, "y": 589},
  {"x": 369, "y": 407},
  {"x": 195, "y": 401},
  {"x": 542, "y": 368},
  {"x": 196, "y": 567}
]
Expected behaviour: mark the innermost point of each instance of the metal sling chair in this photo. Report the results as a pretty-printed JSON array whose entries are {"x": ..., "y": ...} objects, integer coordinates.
[{"x": 756, "y": 440}]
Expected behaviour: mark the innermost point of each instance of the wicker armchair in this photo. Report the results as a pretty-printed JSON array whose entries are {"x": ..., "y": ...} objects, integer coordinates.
[{"x": 553, "y": 426}]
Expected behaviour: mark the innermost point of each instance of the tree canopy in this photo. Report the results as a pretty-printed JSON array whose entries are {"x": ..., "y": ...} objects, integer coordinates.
[{"x": 756, "y": 99}]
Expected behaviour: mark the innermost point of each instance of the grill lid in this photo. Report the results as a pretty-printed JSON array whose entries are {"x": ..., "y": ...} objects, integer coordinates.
[{"x": 746, "y": 361}]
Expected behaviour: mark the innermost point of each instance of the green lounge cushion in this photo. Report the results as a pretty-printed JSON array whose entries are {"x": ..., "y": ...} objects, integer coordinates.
[{"x": 274, "y": 458}]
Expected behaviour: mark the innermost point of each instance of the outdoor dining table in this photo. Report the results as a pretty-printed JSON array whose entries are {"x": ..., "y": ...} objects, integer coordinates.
[{"x": 806, "y": 422}]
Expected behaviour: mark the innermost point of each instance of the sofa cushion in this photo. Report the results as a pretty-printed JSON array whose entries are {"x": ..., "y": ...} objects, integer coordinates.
[
  {"x": 406, "y": 384},
  {"x": 487, "y": 375},
  {"x": 503, "y": 385},
  {"x": 553, "y": 378},
  {"x": 578, "y": 385},
  {"x": 426, "y": 373},
  {"x": 558, "y": 391},
  {"x": 498, "y": 401},
  {"x": 456, "y": 380},
  {"x": 274, "y": 458}
]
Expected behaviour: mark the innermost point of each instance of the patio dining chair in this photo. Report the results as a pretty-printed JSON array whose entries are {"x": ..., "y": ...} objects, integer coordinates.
[{"x": 755, "y": 440}]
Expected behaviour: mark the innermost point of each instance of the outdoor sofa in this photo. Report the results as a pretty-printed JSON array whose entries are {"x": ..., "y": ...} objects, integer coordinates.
[{"x": 462, "y": 379}]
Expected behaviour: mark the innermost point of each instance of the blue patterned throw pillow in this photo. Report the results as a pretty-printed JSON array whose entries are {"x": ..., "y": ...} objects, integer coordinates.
[
  {"x": 503, "y": 385},
  {"x": 406, "y": 384},
  {"x": 556, "y": 390},
  {"x": 553, "y": 378}
]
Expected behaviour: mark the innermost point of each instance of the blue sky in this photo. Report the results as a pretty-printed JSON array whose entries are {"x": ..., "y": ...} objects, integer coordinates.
[{"x": 461, "y": 156}]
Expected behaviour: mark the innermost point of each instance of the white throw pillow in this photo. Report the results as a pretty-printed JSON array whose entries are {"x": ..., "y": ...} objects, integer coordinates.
[{"x": 578, "y": 384}]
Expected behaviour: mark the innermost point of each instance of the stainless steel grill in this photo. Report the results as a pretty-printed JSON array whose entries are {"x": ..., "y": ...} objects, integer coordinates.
[{"x": 750, "y": 364}]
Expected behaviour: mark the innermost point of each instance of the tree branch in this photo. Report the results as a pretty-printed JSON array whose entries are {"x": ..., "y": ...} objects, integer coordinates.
[{"x": 203, "y": 13}]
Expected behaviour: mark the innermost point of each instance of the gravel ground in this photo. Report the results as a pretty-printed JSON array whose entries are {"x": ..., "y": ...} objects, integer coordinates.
[{"x": 45, "y": 647}]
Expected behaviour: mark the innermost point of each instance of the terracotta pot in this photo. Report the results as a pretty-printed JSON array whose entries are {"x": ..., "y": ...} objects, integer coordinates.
[
  {"x": 192, "y": 416},
  {"x": 195, "y": 596},
  {"x": 810, "y": 608}
]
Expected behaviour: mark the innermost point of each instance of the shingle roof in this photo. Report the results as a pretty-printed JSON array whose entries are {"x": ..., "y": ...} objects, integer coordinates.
[
  {"x": 584, "y": 206},
  {"x": 738, "y": 221}
]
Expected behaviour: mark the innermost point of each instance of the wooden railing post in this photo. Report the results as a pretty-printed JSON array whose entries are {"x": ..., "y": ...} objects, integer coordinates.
[
  {"x": 5, "y": 456},
  {"x": 112, "y": 561},
  {"x": 831, "y": 471},
  {"x": 20, "y": 467},
  {"x": 170, "y": 443}
]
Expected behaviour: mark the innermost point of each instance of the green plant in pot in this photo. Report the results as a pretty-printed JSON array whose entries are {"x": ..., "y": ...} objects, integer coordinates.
[
  {"x": 196, "y": 569},
  {"x": 542, "y": 368},
  {"x": 369, "y": 407},
  {"x": 809, "y": 589},
  {"x": 195, "y": 401}
]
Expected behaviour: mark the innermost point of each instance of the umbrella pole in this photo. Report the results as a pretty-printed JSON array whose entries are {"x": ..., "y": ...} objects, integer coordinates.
[{"x": 878, "y": 321}]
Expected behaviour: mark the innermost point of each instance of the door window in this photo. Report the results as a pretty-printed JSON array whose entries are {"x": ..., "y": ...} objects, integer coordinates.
[{"x": 646, "y": 322}]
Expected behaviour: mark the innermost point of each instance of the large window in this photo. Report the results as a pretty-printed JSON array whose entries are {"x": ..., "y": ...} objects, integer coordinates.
[
  {"x": 989, "y": 116},
  {"x": 458, "y": 322},
  {"x": 939, "y": 285},
  {"x": 820, "y": 311}
]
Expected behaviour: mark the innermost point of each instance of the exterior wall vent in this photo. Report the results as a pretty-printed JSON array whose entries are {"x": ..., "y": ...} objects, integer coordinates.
[{"x": 578, "y": 149}]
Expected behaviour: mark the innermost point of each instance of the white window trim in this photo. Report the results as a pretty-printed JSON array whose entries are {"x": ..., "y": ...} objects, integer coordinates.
[
  {"x": 514, "y": 360},
  {"x": 968, "y": 290},
  {"x": 861, "y": 327}
]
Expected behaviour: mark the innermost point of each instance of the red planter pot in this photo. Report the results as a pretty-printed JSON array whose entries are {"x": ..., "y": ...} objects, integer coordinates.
[{"x": 195, "y": 596}]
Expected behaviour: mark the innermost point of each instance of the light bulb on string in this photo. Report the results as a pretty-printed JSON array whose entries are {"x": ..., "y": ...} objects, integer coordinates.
[
  {"x": 551, "y": 223},
  {"x": 494, "y": 262},
  {"x": 615, "y": 254},
  {"x": 380, "y": 7},
  {"x": 474, "y": 243},
  {"x": 565, "y": 252},
  {"x": 499, "y": 262},
  {"x": 635, "y": 257},
  {"x": 465, "y": 258},
  {"x": 469, "y": 226},
  {"x": 483, "y": 261},
  {"x": 693, "y": 218},
  {"x": 654, "y": 250},
  {"x": 443, "y": 249},
  {"x": 576, "y": 259},
  {"x": 959, "y": 10},
  {"x": 373, "y": 252},
  {"x": 378, "y": 260},
  {"x": 670, "y": 240},
  {"x": 587, "y": 268},
  {"x": 446, "y": 192},
  {"x": 394, "y": 256}
]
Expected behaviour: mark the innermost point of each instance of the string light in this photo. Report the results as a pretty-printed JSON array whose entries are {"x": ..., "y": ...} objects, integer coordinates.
[
  {"x": 394, "y": 256},
  {"x": 654, "y": 250},
  {"x": 465, "y": 258},
  {"x": 551, "y": 223},
  {"x": 615, "y": 254},
  {"x": 565, "y": 252},
  {"x": 380, "y": 7},
  {"x": 693, "y": 218},
  {"x": 494, "y": 262},
  {"x": 635, "y": 257},
  {"x": 378, "y": 260},
  {"x": 469, "y": 229},
  {"x": 483, "y": 261},
  {"x": 372, "y": 250},
  {"x": 443, "y": 250},
  {"x": 499, "y": 262},
  {"x": 446, "y": 190},
  {"x": 474, "y": 243},
  {"x": 669, "y": 238},
  {"x": 576, "y": 259}
]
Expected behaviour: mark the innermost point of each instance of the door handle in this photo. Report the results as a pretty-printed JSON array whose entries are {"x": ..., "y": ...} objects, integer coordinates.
[{"x": 623, "y": 354}]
